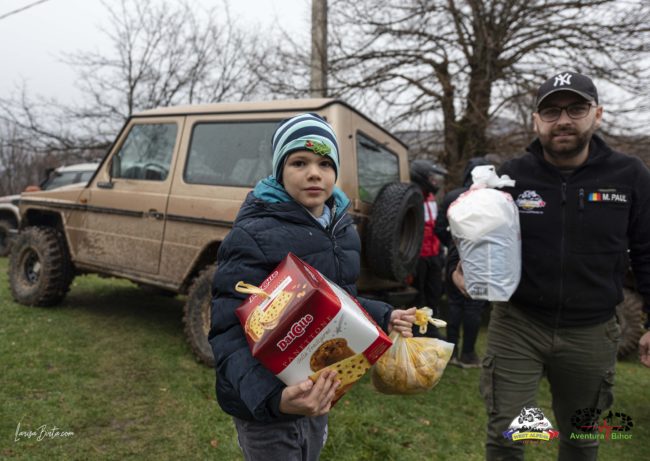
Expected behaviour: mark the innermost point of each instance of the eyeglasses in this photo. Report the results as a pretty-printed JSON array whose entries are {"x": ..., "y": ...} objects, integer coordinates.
[{"x": 575, "y": 111}]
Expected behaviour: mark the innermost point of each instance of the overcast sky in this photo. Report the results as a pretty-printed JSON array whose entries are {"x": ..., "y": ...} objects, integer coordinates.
[{"x": 32, "y": 41}]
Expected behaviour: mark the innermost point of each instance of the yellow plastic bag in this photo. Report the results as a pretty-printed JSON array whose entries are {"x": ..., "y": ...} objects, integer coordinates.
[{"x": 412, "y": 365}]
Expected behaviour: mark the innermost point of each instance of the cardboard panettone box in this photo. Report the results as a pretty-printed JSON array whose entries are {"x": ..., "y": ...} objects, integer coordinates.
[{"x": 299, "y": 324}]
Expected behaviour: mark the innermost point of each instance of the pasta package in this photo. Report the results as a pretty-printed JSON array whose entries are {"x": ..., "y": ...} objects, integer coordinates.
[{"x": 412, "y": 365}]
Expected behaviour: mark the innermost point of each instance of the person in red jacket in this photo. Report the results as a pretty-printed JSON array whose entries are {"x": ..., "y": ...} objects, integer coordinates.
[{"x": 428, "y": 276}]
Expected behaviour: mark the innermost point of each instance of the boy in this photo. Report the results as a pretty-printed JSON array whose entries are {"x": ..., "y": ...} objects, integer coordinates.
[{"x": 297, "y": 209}]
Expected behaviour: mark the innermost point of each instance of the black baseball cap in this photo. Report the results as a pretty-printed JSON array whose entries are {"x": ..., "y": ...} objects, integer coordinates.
[{"x": 568, "y": 81}]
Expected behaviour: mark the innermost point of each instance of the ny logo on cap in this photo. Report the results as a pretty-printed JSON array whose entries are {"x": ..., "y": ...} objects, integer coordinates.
[{"x": 562, "y": 79}]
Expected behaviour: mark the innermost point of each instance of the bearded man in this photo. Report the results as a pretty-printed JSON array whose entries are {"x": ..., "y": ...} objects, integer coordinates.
[{"x": 582, "y": 206}]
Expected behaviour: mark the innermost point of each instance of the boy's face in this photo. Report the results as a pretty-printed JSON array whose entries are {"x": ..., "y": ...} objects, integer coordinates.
[{"x": 309, "y": 179}]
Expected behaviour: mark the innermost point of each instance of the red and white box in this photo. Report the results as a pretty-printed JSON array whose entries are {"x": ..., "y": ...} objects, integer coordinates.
[{"x": 307, "y": 323}]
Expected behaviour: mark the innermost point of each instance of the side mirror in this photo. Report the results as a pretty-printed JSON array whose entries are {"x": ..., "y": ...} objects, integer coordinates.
[{"x": 48, "y": 175}]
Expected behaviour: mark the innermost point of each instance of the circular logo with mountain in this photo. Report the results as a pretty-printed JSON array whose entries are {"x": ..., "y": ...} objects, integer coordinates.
[
  {"x": 530, "y": 424},
  {"x": 530, "y": 200}
]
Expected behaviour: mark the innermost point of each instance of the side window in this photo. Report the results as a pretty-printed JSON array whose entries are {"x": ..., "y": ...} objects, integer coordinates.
[
  {"x": 376, "y": 167},
  {"x": 146, "y": 153},
  {"x": 85, "y": 176},
  {"x": 60, "y": 179},
  {"x": 229, "y": 154}
]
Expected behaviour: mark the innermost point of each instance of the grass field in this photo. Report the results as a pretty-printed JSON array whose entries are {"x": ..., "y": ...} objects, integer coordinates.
[{"x": 111, "y": 365}]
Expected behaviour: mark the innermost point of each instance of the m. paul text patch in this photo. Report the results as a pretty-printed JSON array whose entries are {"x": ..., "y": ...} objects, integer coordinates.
[{"x": 607, "y": 196}]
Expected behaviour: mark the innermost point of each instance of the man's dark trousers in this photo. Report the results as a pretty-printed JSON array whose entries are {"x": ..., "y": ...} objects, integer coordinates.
[{"x": 579, "y": 363}]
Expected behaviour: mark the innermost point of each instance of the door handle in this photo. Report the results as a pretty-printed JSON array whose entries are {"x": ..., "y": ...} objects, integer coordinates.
[{"x": 155, "y": 214}]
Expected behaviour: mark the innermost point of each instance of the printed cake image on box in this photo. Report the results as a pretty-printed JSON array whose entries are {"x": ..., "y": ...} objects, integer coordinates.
[{"x": 299, "y": 324}]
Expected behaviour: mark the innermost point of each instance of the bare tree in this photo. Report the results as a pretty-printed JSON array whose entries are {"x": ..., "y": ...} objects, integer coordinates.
[
  {"x": 20, "y": 164},
  {"x": 162, "y": 53},
  {"x": 454, "y": 66},
  {"x": 165, "y": 53},
  {"x": 10, "y": 154},
  {"x": 462, "y": 62},
  {"x": 47, "y": 126}
]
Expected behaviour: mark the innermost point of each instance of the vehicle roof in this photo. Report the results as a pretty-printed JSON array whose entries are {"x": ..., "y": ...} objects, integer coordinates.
[{"x": 276, "y": 105}]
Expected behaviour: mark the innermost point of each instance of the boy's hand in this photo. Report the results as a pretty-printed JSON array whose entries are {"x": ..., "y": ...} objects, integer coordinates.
[
  {"x": 459, "y": 279},
  {"x": 644, "y": 349},
  {"x": 402, "y": 321},
  {"x": 308, "y": 398}
]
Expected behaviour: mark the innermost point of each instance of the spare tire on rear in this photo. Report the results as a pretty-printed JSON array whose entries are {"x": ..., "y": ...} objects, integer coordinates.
[{"x": 395, "y": 229}]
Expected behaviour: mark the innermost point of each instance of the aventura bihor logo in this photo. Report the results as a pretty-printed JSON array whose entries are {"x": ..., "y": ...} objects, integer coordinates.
[
  {"x": 592, "y": 424},
  {"x": 531, "y": 425}
]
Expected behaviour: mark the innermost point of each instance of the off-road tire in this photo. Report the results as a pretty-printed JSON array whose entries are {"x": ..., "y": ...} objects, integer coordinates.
[
  {"x": 197, "y": 316},
  {"x": 40, "y": 271},
  {"x": 630, "y": 318},
  {"x": 5, "y": 237},
  {"x": 395, "y": 229}
]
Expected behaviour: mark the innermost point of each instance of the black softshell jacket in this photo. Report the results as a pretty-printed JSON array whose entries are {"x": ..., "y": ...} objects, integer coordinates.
[{"x": 576, "y": 232}]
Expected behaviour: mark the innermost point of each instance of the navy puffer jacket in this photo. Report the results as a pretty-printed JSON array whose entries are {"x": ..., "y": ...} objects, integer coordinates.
[{"x": 269, "y": 225}]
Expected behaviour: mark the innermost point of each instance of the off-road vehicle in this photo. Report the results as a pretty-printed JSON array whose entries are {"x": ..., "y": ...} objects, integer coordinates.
[
  {"x": 54, "y": 178},
  {"x": 169, "y": 188}
]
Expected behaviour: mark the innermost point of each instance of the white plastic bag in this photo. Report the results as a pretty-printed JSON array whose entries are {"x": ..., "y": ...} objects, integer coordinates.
[{"x": 485, "y": 226}]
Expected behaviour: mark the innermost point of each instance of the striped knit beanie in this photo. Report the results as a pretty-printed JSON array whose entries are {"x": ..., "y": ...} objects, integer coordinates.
[{"x": 303, "y": 132}]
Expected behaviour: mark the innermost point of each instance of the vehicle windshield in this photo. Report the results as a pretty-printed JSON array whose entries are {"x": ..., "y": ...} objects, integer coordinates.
[{"x": 60, "y": 179}]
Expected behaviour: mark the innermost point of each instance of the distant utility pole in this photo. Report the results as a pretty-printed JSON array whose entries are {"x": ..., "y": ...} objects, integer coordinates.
[{"x": 318, "y": 83}]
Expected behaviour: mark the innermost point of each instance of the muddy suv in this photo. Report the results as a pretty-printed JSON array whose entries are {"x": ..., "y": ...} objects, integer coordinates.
[
  {"x": 56, "y": 177},
  {"x": 169, "y": 189}
]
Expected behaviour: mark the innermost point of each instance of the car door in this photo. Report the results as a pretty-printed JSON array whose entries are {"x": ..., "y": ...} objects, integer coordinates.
[
  {"x": 225, "y": 156},
  {"x": 122, "y": 223}
]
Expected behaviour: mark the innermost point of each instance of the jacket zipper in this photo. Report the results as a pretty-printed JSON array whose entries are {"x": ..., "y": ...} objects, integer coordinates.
[
  {"x": 332, "y": 237},
  {"x": 562, "y": 246},
  {"x": 581, "y": 209},
  {"x": 581, "y": 199},
  {"x": 330, "y": 233}
]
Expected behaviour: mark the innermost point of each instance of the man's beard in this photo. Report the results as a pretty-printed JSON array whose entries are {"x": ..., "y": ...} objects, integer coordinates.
[{"x": 566, "y": 151}]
